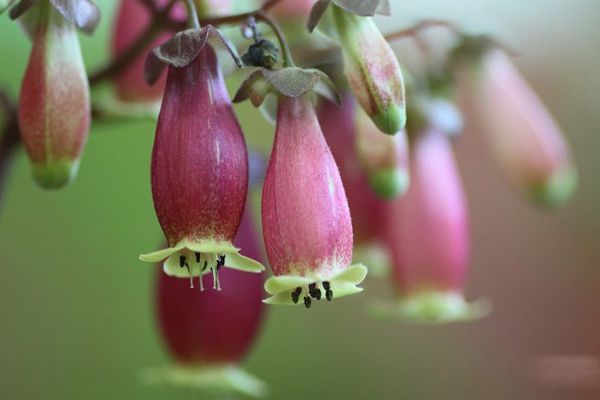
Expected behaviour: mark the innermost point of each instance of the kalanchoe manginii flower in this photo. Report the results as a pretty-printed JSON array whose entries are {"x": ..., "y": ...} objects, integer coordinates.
[
  {"x": 372, "y": 70},
  {"x": 54, "y": 105},
  {"x": 208, "y": 333},
  {"x": 428, "y": 236},
  {"x": 305, "y": 216},
  {"x": 384, "y": 158},
  {"x": 132, "y": 19},
  {"x": 199, "y": 163},
  {"x": 525, "y": 139}
]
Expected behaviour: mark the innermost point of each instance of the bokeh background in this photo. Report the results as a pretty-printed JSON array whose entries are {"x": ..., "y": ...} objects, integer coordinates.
[{"x": 76, "y": 316}]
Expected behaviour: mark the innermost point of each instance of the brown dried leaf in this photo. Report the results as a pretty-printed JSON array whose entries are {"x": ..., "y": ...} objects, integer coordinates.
[{"x": 254, "y": 88}]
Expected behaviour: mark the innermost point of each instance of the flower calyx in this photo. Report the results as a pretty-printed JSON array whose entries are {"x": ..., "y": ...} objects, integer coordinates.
[
  {"x": 182, "y": 49},
  {"x": 361, "y": 8}
]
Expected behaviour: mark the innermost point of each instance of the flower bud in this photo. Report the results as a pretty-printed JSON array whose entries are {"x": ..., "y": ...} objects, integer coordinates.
[
  {"x": 306, "y": 221},
  {"x": 132, "y": 19},
  {"x": 427, "y": 234},
  {"x": 372, "y": 70},
  {"x": 384, "y": 158},
  {"x": 54, "y": 105},
  {"x": 525, "y": 140},
  {"x": 199, "y": 173},
  {"x": 208, "y": 333}
]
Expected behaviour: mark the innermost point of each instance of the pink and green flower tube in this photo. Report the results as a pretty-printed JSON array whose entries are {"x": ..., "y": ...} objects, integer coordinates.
[
  {"x": 428, "y": 235},
  {"x": 525, "y": 140},
  {"x": 305, "y": 216},
  {"x": 199, "y": 173},
  {"x": 132, "y": 19},
  {"x": 54, "y": 105},
  {"x": 372, "y": 70},
  {"x": 384, "y": 158},
  {"x": 208, "y": 333}
]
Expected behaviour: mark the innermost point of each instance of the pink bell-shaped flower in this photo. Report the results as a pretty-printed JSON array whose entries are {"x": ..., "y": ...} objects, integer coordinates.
[
  {"x": 525, "y": 140},
  {"x": 305, "y": 216},
  {"x": 132, "y": 19},
  {"x": 199, "y": 172},
  {"x": 428, "y": 237},
  {"x": 208, "y": 333},
  {"x": 54, "y": 105}
]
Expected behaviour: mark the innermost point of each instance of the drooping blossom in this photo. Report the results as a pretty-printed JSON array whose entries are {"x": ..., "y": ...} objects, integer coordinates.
[
  {"x": 372, "y": 70},
  {"x": 54, "y": 104},
  {"x": 428, "y": 235},
  {"x": 208, "y": 333},
  {"x": 199, "y": 172},
  {"x": 525, "y": 139},
  {"x": 305, "y": 216}
]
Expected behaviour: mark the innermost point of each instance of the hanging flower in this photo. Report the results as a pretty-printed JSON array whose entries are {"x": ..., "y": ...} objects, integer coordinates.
[
  {"x": 132, "y": 19},
  {"x": 372, "y": 70},
  {"x": 306, "y": 221},
  {"x": 384, "y": 158},
  {"x": 54, "y": 105},
  {"x": 427, "y": 234},
  {"x": 199, "y": 164},
  {"x": 525, "y": 140},
  {"x": 208, "y": 333}
]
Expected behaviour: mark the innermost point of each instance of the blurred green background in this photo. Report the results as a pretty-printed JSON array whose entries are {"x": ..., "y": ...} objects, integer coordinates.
[{"x": 76, "y": 306}]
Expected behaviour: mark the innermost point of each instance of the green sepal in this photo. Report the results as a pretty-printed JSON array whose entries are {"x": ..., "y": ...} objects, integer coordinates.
[
  {"x": 342, "y": 284},
  {"x": 390, "y": 120},
  {"x": 432, "y": 307},
  {"x": 228, "y": 379},
  {"x": 290, "y": 81},
  {"x": 376, "y": 256}
]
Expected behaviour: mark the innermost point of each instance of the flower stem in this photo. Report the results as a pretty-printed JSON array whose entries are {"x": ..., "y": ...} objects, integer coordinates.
[
  {"x": 285, "y": 50},
  {"x": 193, "y": 20}
]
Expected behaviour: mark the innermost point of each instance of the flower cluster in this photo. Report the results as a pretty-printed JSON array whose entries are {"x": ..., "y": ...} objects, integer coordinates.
[{"x": 361, "y": 170}]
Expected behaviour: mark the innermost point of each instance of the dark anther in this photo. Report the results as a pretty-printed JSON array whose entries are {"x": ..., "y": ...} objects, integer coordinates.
[
  {"x": 329, "y": 294},
  {"x": 314, "y": 292},
  {"x": 326, "y": 285},
  {"x": 220, "y": 261},
  {"x": 197, "y": 257},
  {"x": 307, "y": 301},
  {"x": 205, "y": 265},
  {"x": 182, "y": 260},
  {"x": 296, "y": 295}
]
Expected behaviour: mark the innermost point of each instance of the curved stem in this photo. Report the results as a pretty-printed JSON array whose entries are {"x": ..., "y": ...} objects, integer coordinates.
[
  {"x": 415, "y": 30},
  {"x": 9, "y": 139},
  {"x": 285, "y": 49},
  {"x": 193, "y": 20}
]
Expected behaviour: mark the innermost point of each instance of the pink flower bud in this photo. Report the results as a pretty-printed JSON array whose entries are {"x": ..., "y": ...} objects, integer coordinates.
[
  {"x": 372, "y": 70},
  {"x": 525, "y": 139},
  {"x": 209, "y": 332},
  {"x": 132, "y": 19},
  {"x": 199, "y": 173},
  {"x": 306, "y": 221},
  {"x": 384, "y": 158},
  {"x": 54, "y": 106},
  {"x": 339, "y": 129},
  {"x": 427, "y": 234}
]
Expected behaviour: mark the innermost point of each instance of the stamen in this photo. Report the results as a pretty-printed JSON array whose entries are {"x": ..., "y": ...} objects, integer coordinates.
[
  {"x": 216, "y": 282},
  {"x": 314, "y": 292},
  {"x": 307, "y": 301},
  {"x": 204, "y": 266},
  {"x": 197, "y": 257},
  {"x": 183, "y": 263},
  {"x": 329, "y": 295},
  {"x": 296, "y": 295},
  {"x": 201, "y": 280},
  {"x": 326, "y": 285}
]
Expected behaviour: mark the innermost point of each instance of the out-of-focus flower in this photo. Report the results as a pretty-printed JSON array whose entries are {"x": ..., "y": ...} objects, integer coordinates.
[
  {"x": 525, "y": 139},
  {"x": 306, "y": 221},
  {"x": 372, "y": 70},
  {"x": 427, "y": 234},
  {"x": 54, "y": 106},
  {"x": 293, "y": 10},
  {"x": 213, "y": 7},
  {"x": 132, "y": 19},
  {"x": 199, "y": 172},
  {"x": 384, "y": 158},
  {"x": 209, "y": 332}
]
